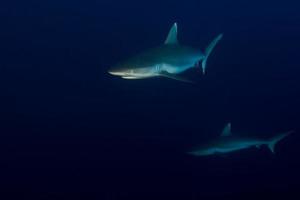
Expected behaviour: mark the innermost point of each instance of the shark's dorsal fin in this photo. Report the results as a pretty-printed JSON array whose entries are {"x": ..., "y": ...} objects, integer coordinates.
[
  {"x": 226, "y": 131},
  {"x": 172, "y": 36}
]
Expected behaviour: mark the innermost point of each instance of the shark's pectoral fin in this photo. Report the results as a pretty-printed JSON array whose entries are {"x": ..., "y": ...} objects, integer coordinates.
[{"x": 175, "y": 77}]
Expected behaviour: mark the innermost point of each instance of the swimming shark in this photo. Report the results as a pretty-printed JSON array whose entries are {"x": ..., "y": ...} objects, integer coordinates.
[
  {"x": 167, "y": 60},
  {"x": 227, "y": 143}
]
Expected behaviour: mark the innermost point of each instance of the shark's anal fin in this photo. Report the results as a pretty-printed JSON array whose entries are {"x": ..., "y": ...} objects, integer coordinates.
[
  {"x": 226, "y": 131},
  {"x": 172, "y": 36},
  {"x": 175, "y": 77}
]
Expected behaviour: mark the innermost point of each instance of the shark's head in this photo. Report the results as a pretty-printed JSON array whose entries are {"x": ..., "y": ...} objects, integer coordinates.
[
  {"x": 120, "y": 71},
  {"x": 145, "y": 64}
]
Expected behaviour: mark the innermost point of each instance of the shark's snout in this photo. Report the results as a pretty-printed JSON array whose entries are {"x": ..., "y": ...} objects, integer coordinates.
[
  {"x": 121, "y": 71},
  {"x": 115, "y": 72}
]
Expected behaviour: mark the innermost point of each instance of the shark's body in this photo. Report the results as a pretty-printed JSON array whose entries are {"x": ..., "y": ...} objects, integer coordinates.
[
  {"x": 227, "y": 143},
  {"x": 167, "y": 60}
]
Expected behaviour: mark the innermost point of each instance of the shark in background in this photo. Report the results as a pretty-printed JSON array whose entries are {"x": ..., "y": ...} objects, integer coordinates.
[
  {"x": 227, "y": 143},
  {"x": 167, "y": 60}
]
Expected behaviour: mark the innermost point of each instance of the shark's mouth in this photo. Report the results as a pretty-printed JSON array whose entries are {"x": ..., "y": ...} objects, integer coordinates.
[
  {"x": 131, "y": 77},
  {"x": 138, "y": 76},
  {"x": 122, "y": 74}
]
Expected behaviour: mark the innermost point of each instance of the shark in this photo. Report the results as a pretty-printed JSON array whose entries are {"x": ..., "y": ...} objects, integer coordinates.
[
  {"x": 167, "y": 60},
  {"x": 227, "y": 143}
]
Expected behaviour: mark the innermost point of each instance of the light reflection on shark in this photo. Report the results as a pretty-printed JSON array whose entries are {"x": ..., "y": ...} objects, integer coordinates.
[
  {"x": 167, "y": 60},
  {"x": 227, "y": 143}
]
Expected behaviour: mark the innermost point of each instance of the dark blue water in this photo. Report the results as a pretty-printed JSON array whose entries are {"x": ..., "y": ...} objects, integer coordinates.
[{"x": 69, "y": 130}]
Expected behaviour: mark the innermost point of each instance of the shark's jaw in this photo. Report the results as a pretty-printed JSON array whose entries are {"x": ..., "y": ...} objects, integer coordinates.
[
  {"x": 138, "y": 77},
  {"x": 140, "y": 73}
]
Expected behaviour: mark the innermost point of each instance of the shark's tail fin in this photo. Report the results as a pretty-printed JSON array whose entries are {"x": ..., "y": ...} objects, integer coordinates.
[
  {"x": 274, "y": 140},
  {"x": 208, "y": 50}
]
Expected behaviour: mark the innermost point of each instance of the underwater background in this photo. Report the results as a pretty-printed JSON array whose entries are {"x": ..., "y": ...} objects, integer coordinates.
[{"x": 70, "y": 130}]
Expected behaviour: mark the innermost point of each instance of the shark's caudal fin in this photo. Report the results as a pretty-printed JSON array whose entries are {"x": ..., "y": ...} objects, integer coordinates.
[
  {"x": 274, "y": 140},
  {"x": 208, "y": 51}
]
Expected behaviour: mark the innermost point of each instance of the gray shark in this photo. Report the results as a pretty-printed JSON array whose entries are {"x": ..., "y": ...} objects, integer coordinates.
[
  {"x": 227, "y": 143},
  {"x": 167, "y": 60}
]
